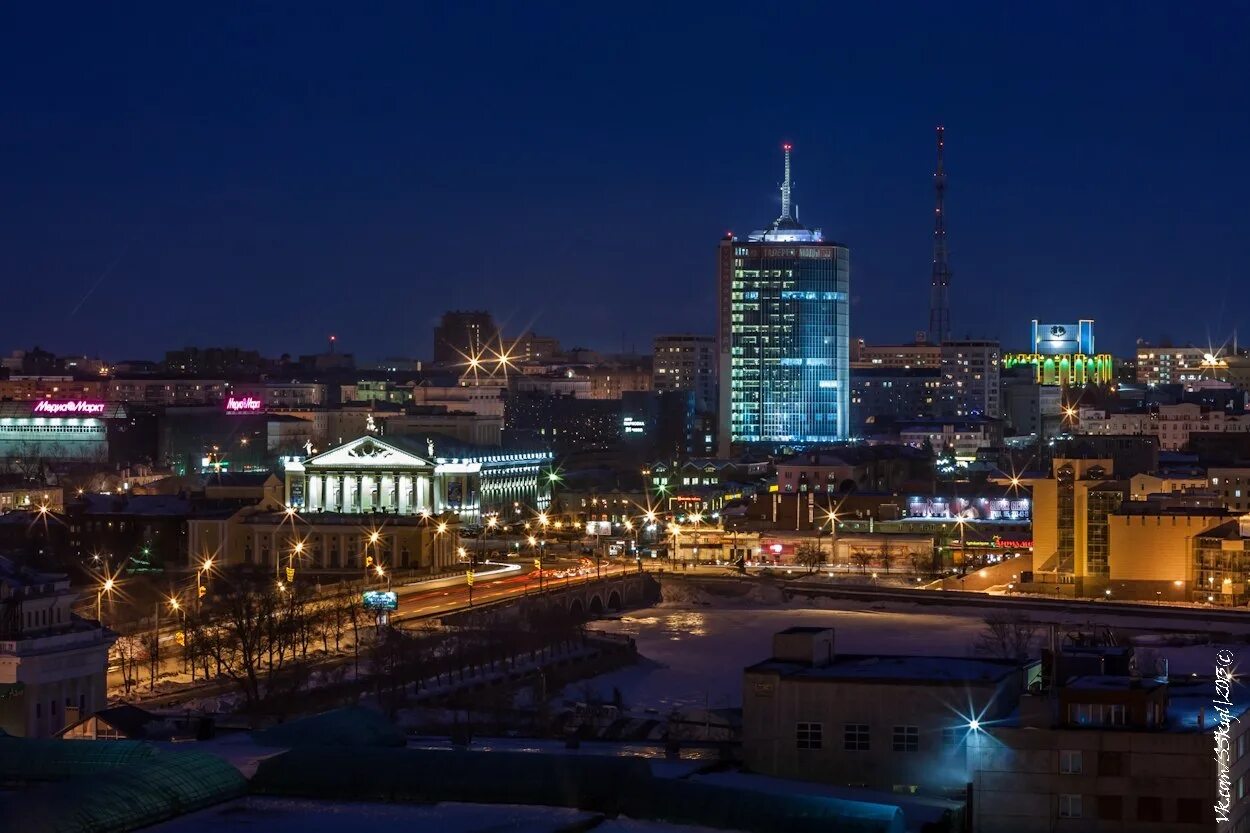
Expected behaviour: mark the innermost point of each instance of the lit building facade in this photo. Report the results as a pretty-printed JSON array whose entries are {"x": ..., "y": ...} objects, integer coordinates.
[
  {"x": 325, "y": 542},
  {"x": 1173, "y": 425},
  {"x": 401, "y": 475},
  {"x": 1063, "y": 354},
  {"x": 916, "y": 356},
  {"x": 687, "y": 363},
  {"x": 64, "y": 430},
  {"x": 1166, "y": 365},
  {"x": 970, "y": 378},
  {"x": 784, "y": 336}
]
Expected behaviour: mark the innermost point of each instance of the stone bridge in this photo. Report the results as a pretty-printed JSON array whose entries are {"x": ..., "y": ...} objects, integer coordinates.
[{"x": 581, "y": 599}]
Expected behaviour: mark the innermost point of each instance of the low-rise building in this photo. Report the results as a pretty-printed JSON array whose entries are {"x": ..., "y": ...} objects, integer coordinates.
[
  {"x": 1232, "y": 483},
  {"x": 1151, "y": 547},
  {"x": 961, "y": 438},
  {"x": 53, "y": 664},
  {"x": 1174, "y": 424},
  {"x": 895, "y": 723},
  {"x": 325, "y": 542}
]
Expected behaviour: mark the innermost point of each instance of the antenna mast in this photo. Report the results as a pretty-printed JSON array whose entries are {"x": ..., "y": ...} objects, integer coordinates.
[
  {"x": 939, "y": 291},
  {"x": 785, "y": 186}
]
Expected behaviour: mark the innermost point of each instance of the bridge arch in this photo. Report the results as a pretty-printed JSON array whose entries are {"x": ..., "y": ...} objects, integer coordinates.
[
  {"x": 596, "y": 605},
  {"x": 614, "y": 600},
  {"x": 577, "y": 610}
]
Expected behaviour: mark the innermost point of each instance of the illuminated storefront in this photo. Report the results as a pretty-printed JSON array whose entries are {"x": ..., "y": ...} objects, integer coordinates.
[
  {"x": 411, "y": 476},
  {"x": 1063, "y": 355},
  {"x": 65, "y": 430}
]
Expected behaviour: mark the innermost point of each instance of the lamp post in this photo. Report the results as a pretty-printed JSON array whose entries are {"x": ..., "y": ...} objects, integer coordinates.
[
  {"x": 491, "y": 523},
  {"x": 106, "y": 586},
  {"x": 371, "y": 550},
  {"x": 298, "y": 549},
  {"x": 538, "y": 562},
  {"x": 201, "y": 572}
]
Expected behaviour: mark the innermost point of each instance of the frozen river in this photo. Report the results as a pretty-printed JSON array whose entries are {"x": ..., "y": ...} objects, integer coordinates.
[{"x": 694, "y": 655}]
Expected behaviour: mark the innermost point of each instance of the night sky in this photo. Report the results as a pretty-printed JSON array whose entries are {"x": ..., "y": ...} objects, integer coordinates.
[{"x": 267, "y": 174}]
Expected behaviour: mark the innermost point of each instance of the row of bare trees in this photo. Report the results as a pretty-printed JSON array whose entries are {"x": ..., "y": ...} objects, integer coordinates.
[
  {"x": 265, "y": 637},
  {"x": 882, "y": 557}
]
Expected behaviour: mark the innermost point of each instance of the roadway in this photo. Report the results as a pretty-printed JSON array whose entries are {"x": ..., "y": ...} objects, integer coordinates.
[{"x": 426, "y": 599}]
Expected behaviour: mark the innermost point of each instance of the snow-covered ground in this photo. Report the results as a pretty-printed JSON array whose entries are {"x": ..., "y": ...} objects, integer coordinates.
[{"x": 694, "y": 649}]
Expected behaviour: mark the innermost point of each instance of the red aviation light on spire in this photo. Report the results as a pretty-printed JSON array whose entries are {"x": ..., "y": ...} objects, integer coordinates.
[{"x": 787, "y": 146}]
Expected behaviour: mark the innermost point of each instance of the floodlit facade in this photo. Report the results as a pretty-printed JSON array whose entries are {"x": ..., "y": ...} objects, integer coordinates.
[
  {"x": 784, "y": 335},
  {"x": 404, "y": 475},
  {"x": 64, "y": 430},
  {"x": 1063, "y": 354}
]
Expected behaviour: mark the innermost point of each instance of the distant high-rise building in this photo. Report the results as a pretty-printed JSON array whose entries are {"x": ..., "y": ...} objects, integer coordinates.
[
  {"x": 687, "y": 363},
  {"x": 939, "y": 292},
  {"x": 463, "y": 336},
  {"x": 970, "y": 378},
  {"x": 531, "y": 347},
  {"x": 1168, "y": 365},
  {"x": 784, "y": 335}
]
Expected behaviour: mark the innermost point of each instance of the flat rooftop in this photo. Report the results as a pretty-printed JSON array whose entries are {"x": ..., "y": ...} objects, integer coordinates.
[{"x": 902, "y": 669}]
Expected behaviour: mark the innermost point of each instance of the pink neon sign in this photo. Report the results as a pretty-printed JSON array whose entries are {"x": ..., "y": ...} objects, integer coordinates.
[
  {"x": 246, "y": 404},
  {"x": 72, "y": 406}
]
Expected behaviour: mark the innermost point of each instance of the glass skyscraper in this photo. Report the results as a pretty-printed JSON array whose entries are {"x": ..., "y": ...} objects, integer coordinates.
[{"x": 784, "y": 335}]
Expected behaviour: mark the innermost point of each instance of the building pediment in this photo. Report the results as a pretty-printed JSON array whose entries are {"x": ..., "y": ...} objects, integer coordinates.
[{"x": 366, "y": 452}]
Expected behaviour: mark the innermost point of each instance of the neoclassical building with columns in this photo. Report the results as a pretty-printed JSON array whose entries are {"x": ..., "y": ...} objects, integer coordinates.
[{"x": 412, "y": 475}]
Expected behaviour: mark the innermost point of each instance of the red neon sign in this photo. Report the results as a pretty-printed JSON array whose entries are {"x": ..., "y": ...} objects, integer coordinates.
[
  {"x": 73, "y": 406},
  {"x": 246, "y": 404}
]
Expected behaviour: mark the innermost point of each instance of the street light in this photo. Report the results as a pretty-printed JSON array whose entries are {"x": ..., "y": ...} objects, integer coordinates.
[
  {"x": 105, "y": 587},
  {"x": 202, "y": 570},
  {"x": 538, "y": 562}
]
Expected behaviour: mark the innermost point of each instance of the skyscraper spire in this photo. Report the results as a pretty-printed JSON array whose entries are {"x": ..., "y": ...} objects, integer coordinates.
[
  {"x": 939, "y": 291},
  {"x": 785, "y": 186}
]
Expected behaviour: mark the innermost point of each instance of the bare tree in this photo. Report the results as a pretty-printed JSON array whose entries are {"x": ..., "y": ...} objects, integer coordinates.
[
  {"x": 809, "y": 555},
  {"x": 1006, "y": 636},
  {"x": 921, "y": 563},
  {"x": 129, "y": 651},
  {"x": 256, "y": 635},
  {"x": 861, "y": 558}
]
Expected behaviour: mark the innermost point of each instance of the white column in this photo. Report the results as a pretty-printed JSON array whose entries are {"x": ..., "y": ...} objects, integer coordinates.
[
  {"x": 312, "y": 493},
  {"x": 349, "y": 493},
  {"x": 386, "y": 499},
  {"x": 405, "y": 494},
  {"x": 421, "y": 496}
]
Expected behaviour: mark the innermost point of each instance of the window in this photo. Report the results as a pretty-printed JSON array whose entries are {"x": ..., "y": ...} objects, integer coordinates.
[
  {"x": 1116, "y": 716},
  {"x": 855, "y": 737},
  {"x": 952, "y": 738},
  {"x": 1241, "y": 788},
  {"x": 809, "y": 735},
  {"x": 1241, "y": 746},
  {"x": 906, "y": 739},
  {"x": 1189, "y": 810},
  {"x": 1149, "y": 808},
  {"x": 1070, "y": 762},
  {"x": 1069, "y": 806},
  {"x": 1110, "y": 807},
  {"x": 1110, "y": 763}
]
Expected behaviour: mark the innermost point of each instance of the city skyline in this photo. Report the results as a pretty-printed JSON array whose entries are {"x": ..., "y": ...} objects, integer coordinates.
[{"x": 249, "y": 169}]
